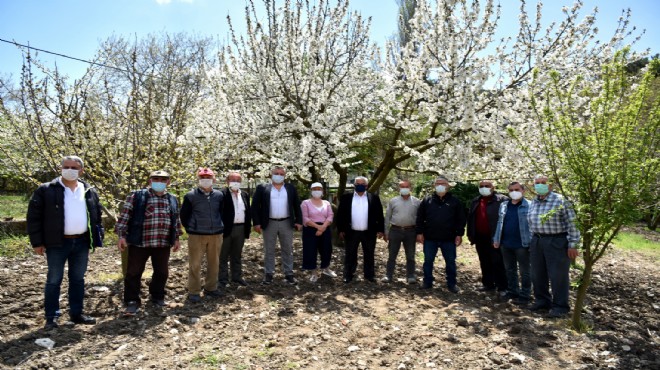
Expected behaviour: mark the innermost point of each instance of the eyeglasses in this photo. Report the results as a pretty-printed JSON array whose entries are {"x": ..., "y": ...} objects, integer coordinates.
[{"x": 70, "y": 168}]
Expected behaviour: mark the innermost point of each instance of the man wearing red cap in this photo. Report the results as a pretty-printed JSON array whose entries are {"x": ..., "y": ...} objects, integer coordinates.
[{"x": 201, "y": 216}]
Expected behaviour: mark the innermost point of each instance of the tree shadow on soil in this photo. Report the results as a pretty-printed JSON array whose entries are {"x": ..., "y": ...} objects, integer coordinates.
[{"x": 19, "y": 350}]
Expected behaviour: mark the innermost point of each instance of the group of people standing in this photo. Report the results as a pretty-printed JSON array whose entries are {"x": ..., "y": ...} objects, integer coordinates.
[{"x": 537, "y": 238}]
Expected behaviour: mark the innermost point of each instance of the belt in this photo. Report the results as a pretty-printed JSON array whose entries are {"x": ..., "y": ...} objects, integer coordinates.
[
  {"x": 280, "y": 219},
  {"x": 550, "y": 235},
  {"x": 75, "y": 236},
  {"x": 402, "y": 227}
]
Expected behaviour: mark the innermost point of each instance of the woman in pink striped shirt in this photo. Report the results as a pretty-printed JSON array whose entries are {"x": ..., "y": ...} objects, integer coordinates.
[{"x": 316, "y": 236}]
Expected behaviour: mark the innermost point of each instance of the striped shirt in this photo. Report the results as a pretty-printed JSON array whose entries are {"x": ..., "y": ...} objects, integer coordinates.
[
  {"x": 553, "y": 215},
  {"x": 157, "y": 221}
]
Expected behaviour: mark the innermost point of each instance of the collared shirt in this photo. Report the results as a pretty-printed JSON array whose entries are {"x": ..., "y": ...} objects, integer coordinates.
[
  {"x": 401, "y": 212},
  {"x": 553, "y": 215},
  {"x": 239, "y": 207},
  {"x": 75, "y": 209},
  {"x": 157, "y": 220},
  {"x": 311, "y": 212},
  {"x": 360, "y": 212},
  {"x": 279, "y": 203}
]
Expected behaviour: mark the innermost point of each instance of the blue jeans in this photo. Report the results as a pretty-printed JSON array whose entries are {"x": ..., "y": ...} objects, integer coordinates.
[
  {"x": 448, "y": 249},
  {"x": 76, "y": 252},
  {"x": 514, "y": 259}
]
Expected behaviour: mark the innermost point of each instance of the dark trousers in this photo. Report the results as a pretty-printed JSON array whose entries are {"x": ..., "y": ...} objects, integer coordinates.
[
  {"x": 232, "y": 253},
  {"x": 137, "y": 259},
  {"x": 313, "y": 246},
  {"x": 515, "y": 259},
  {"x": 549, "y": 259},
  {"x": 493, "y": 274},
  {"x": 75, "y": 252},
  {"x": 368, "y": 241},
  {"x": 396, "y": 238},
  {"x": 448, "y": 249}
]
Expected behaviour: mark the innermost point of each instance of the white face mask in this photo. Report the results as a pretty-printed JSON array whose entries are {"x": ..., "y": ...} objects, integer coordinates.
[
  {"x": 317, "y": 194},
  {"x": 235, "y": 186},
  {"x": 404, "y": 191},
  {"x": 440, "y": 189},
  {"x": 70, "y": 174},
  {"x": 205, "y": 183},
  {"x": 515, "y": 195},
  {"x": 277, "y": 179},
  {"x": 485, "y": 191}
]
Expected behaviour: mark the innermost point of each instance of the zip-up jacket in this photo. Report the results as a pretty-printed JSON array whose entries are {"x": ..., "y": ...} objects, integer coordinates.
[
  {"x": 201, "y": 214},
  {"x": 492, "y": 208},
  {"x": 441, "y": 219},
  {"x": 45, "y": 216}
]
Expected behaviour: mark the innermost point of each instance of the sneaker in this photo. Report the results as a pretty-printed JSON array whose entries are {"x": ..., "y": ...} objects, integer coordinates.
[
  {"x": 213, "y": 293},
  {"x": 160, "y": 303},
  {"x": 386, "y": 279},
  {"x": 194, "y": 298},
  {"x": 131, "y": 308},
  {"x": 268, "y": 279},
  {"x": 453, "y": 289},
  {"x": 240, "y": 281},
  {"x": 412, "y": 280},
  {"x": 313, "y": 276},
  {"x": 51, "y": 323},
  {"x": 502, "y": 295},
  {"x": 291, "y": 280},
  {"x": 83, "y": 319},
  {"x": 328, "y": 272}
]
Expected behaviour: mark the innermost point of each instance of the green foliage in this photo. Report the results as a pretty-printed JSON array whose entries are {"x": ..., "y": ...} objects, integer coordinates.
[
  {"x": 13, "y": 205},
  {"x": 14, "y": 246},
  {"x": 465, "y": 192},
  {"x": 601, "y": 141},
  {"x": 637, "y": 242}
]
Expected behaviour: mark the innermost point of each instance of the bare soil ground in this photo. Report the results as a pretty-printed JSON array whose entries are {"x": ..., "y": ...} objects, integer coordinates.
[{"x": 330, "y": 325}]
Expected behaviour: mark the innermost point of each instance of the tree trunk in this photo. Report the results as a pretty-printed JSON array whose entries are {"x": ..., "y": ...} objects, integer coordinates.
[{"x": 582, "y": 295}]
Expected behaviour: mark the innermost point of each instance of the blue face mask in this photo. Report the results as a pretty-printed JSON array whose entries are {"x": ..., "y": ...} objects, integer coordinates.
[
  {"x": 541, "y": 189},
  {"x": 158, "y": 186},
  {"x": 360, "y": 188}
]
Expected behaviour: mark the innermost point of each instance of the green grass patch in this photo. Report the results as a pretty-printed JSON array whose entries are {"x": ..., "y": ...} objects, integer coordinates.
[
  {"x": 637, "y": 242},
  {"x": 13, "y": 206},
  {"x": 106, "y": 278},
  {"x": 15, "y": 246}
]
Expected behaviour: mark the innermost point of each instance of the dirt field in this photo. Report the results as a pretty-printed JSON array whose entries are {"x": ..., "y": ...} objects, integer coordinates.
[{"x": 329, "y": 325}]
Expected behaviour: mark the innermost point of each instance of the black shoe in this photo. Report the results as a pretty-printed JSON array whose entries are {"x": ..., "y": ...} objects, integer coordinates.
[
  {"x": 347, "y": 280},
  {"x": 213, "y": 293},
  {"x": 291, "y": 280},
  {"x": 131, "y": 308},
  {"x": 539, "y": 307},
  {"x": 486, "y": 288},
  {"x": 370, "y": 279},
  {"x": 268, "y": 279},
  {"x": 83, "y": 319},
  {"x": 51, "y": 324},
  {"x": 240, "y": 281},
  {"x": 427, "y": 286},
  {"x": 159, "y": 303},
  {"x": 521, "y": 301},
  {"x": 453, "y": 289},
  {"x": 556, "y": 314}
]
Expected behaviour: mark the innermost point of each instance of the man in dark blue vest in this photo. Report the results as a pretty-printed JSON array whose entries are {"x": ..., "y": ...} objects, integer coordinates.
[{"x": 148, "y": 226}]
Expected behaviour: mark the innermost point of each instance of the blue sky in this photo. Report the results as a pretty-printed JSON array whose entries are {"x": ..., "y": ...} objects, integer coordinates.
[{"x": 76, "y": 27}]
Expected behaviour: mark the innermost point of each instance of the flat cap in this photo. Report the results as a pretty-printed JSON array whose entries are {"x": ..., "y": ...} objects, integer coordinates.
[{"x": 159, "y": 173}]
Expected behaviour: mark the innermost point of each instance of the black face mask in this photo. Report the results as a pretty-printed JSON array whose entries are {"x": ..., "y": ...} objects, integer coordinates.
[{"x": 360, "y": 188}]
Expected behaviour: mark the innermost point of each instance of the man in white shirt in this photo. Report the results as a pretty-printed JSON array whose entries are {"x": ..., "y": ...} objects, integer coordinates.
[
  {"x": 360, "y": 221},
  {"x": 237, "y": 220},
  {"x": 276, "y": 212},
  {"x": 64, "y": 222}
]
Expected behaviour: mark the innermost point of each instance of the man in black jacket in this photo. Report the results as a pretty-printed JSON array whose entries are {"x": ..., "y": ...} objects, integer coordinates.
[
  {"x": 481, "y": 225},
  {"x": 237, "y": 220},
  {"x": 64, "y": 221},
  {"x": 201, "y": 216},
  {"x": 276, "y": 212},
  {"x": 440, "y": 225},
  {"x": 360, "y": 221}
]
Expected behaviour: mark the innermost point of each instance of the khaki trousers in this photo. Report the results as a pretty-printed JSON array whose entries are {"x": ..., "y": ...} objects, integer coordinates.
[{"x": 198, "y": 246}]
